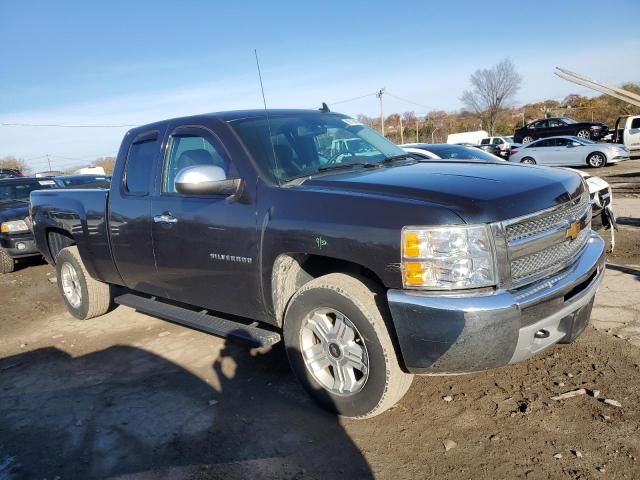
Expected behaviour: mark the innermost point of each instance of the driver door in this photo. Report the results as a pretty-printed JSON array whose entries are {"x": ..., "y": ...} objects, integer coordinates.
[{"x": 204, "y": 245}]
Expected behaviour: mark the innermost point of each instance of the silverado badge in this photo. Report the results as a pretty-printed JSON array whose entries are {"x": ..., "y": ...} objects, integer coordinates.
[{"x": 573, "y": 230}]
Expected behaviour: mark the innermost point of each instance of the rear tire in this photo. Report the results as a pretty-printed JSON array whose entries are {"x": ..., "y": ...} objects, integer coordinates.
[
  {"x": 527, "y": 139},
  {"x": 333, "y": 323},
  {"x": 597, "y": 160},
  {"x": 584, "y": 134},
  {"x": 84, "y": 296},
  {"x": 528, "y": 161},
  {"x": 7, "y": 263}
]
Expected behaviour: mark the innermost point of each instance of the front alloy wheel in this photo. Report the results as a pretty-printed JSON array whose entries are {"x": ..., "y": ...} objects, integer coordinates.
[
  {"x": 334, "y": 351},
  {"x": 527, "y": 139},
  {"x": 340, "y": 348},
  {"x": 584, "y": 134},
  {"x": 596, "y": 160},
  {"x": 71, "y": 288}
]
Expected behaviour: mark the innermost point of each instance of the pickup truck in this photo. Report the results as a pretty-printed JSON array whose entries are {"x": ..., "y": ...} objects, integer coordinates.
[{"x": 369, "y": 266}]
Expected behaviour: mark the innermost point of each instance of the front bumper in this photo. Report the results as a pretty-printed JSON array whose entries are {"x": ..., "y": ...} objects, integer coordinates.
[
  {"x": 440, "y": 334},
  {"x": 19, "y": 245},
  {"x": 618, "y": 158}
]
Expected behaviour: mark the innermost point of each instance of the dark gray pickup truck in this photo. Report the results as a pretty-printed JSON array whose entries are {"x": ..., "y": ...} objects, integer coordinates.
[{"x": 368, "y": 264}]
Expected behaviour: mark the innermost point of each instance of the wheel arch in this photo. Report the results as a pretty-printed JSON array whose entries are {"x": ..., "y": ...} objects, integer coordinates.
[{"x": 291, "y": 271}]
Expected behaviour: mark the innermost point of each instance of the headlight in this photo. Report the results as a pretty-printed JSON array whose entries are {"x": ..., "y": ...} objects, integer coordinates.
[
  {"x": 447, "y": 258},
  {"x": 15, "y": 226}
]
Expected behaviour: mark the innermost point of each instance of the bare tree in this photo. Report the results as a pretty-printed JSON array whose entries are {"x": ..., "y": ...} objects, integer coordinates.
[
  {"x": 14, "y": 163},
  {"x": 491, "y": 89},
  {"x": 107, "y": 163}
]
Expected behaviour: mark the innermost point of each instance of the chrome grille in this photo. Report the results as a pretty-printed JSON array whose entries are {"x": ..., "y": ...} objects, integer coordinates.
[
  {"x": 548, "y": 258},
  {"x": 538, "y": 245},
  {"x": 556, "y": 218}
]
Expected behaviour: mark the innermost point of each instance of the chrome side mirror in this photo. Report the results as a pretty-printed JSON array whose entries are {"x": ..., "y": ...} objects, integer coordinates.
[{"x": 206, "y": 180}]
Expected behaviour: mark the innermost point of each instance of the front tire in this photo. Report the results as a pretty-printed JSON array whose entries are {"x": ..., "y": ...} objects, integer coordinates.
[
  {"x": 597, "y": 160},
  {"x": 339, "y": 347},
  {"x": 527, "y": 139},
  {"x": 528, "y": 161},
  {"x": 584, "y": 133},
  {"x": 7, "y": 263},
  {"x": 84, "y": 296}
]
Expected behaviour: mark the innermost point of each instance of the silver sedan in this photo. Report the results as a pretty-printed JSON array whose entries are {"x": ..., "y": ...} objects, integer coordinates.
[{"x": 570, "y": 151}]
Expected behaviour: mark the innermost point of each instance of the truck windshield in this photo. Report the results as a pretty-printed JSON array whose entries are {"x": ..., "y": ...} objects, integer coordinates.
[
  {"x": 304, "y": 144},
  {"x": 12, "y": 190}
]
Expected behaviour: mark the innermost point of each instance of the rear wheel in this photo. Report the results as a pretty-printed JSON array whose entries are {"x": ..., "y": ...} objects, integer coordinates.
[
  {"x": 527, "y": 139},
  {"x": 528, "y": 160},
  {"x": 584, "y": 133},
  {"x": 84, "y": 296},
  {"x": 7, "y": 263},
  {"x": 340, "y": 348},
  {"x": 597, "y": 160}
]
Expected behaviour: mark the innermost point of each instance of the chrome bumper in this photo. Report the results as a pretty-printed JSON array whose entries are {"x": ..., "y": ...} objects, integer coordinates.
[{"x": 465, "y": 333}]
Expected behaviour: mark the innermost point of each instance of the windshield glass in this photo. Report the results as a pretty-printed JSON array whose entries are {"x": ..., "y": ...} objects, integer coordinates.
[
  {"x": 306, "y": 143},
  {"x": 20, "y": 190},
  {"x": 568, "y": 120},
  {"x": 459, "y": 152}
]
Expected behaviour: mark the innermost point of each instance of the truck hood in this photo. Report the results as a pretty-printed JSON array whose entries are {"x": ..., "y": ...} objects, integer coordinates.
[
  {"x": 476, "y": 192},
  {"x": 14, "y": 210}
]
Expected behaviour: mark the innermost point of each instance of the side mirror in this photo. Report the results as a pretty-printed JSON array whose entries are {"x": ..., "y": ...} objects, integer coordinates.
[{"x": 206, "y": 180}]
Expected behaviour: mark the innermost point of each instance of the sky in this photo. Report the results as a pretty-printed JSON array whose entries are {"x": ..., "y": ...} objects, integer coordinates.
[{"x": 120, "y": 63}]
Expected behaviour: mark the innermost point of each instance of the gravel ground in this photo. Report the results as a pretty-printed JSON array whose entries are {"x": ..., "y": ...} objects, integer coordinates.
[{"x": 130, "y": 396}]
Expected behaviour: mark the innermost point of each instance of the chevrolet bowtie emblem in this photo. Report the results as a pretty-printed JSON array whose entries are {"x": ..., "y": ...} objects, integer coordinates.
[{"x": 573, "y": 230}]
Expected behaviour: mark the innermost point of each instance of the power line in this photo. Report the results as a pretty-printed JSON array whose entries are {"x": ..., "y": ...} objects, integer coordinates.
[
  {"x": 57, "y": 125},
  {"x": 354, "y": 98},
  {"x": 409, "y": 101}
]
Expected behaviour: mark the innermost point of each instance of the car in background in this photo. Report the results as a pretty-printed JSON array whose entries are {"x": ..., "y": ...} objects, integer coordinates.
[
  {"x": 16, "y": 239},
  {"x": 10, "y": 173},
  {"x": 499, "y": 145},
  {"x": 83, "y": 181},
  {"x": 570, "y": 151},
  {"x": 446, "y": 151},
  {"x": 557, "y": 126},
  {"x": 601, "y": 196}
]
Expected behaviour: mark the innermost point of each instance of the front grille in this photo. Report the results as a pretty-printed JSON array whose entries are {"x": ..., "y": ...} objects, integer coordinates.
[
  {"x": 540, "y": 245},
  {"x": 548, "y": 258},
  {"x": 539, "y": 224}
]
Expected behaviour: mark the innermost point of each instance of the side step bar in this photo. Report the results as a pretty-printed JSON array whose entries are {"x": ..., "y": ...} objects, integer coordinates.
[{"x": 201, "y": 320}]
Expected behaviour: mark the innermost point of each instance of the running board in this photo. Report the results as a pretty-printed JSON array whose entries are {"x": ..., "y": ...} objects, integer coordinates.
[{"x": 201, "y": 320}]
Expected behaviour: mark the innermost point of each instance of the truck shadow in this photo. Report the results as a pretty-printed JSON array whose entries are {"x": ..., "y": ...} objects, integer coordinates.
[{"x": 126, "y": 412}]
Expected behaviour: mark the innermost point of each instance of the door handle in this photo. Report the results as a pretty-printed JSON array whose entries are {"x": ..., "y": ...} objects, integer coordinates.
[{"x": 165, "y": 218}]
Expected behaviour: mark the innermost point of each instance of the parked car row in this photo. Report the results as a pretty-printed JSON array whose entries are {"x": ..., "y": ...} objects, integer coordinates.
[{"x": 570, "y": 151}]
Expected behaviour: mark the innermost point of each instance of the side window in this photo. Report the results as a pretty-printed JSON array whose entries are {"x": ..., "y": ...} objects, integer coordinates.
[
  {"x": 139, "y": 165},
  {"x": 555, "y": 123},
  {"x": 635, "y": 123},
  {"x": 544, "y": 143},
  {"x": 497, "y": 141},
  {"x": 485, "y": 141},
  {"x": 188, "y": 151},
  {"x": 562, "y": 142}
]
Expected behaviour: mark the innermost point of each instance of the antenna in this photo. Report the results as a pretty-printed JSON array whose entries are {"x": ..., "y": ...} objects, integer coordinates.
[{"x": 266, "y": 113}]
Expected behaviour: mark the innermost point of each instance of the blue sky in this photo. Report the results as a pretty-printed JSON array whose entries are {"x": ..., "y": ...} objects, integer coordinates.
[{"x": 125, "y": 62}]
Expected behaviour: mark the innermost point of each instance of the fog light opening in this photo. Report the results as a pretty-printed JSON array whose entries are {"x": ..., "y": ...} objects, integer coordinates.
[
  {"x": 542, "y": 334},
  {"x": 21, "y": 246}
]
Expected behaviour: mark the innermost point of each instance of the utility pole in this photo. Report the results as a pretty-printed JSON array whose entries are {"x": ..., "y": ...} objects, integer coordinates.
[
  {"x": 432, "y": 132},
  {"x": 401, "y": 131},
  {"x": 49, "y": 161},
  {"x": 379, "y": 95}
]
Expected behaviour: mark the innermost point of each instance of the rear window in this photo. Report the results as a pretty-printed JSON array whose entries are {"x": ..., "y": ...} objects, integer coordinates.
[
  {"x": 11, "y": 191},
  {"x": 139, "y": 165},
  {"x": 635, "y": 123}
]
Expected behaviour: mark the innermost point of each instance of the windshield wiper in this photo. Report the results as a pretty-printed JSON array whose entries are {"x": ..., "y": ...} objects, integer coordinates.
[
  {"x": 337, "y": 166},
  {"x": 395, "y": 158}
]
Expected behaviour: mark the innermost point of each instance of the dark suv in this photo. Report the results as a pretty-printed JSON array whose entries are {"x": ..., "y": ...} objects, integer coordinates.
[
  {"x": 10, "y": 173},
  {"x": 557, "y": 126}
]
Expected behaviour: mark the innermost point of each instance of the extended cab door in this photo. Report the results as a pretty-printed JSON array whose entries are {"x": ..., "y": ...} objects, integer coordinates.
[
  {"x": 130, "y": 212},
  {"x": 205, "y": 245}
]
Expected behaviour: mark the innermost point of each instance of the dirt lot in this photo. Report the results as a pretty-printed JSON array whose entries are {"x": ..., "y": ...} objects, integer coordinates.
[{"x": 130, "y": 396}]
